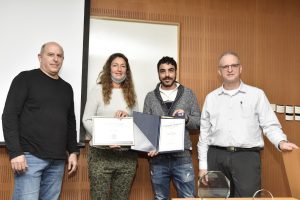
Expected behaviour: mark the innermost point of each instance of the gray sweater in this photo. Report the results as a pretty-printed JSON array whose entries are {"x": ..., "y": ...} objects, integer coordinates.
[{"x": 185, "y": 100}]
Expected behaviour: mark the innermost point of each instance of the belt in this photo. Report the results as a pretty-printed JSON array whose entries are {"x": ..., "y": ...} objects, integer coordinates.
[{"x": 236, "y": 149}]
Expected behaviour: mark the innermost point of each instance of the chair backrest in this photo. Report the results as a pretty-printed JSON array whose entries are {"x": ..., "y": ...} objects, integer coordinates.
[{"x": 291, "y": 161}]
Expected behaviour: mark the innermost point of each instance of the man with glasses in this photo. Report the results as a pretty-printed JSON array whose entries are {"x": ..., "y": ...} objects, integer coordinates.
[{"x": 232, "y": 121}]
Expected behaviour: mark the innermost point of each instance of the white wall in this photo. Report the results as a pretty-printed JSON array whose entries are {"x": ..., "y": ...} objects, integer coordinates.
[{"x": 25, "y": 26}]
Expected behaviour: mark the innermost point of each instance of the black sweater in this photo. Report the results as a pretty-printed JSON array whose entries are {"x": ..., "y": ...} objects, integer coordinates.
[{"x": 39, "y": 117}]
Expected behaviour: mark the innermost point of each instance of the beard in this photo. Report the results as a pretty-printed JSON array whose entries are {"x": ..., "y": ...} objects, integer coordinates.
[{"x": 170, "y": 82}]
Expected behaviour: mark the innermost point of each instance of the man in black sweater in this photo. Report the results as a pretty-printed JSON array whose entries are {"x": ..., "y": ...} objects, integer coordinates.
[{"x": 39, "y": 128}]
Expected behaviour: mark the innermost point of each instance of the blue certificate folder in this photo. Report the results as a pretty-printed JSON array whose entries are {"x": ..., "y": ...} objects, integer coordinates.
[{"x": 148, "y": 133}]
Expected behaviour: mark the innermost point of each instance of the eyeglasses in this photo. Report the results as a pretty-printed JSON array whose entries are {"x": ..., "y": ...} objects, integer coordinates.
[{"x": 233, "y": 66}]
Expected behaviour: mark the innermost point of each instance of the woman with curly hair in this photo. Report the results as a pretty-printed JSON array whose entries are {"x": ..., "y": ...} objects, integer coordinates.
[{"x": 111, "y": 168}]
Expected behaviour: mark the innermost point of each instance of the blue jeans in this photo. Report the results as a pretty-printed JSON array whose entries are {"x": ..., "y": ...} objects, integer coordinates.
[
  {"x": 42, "y": 180},
  {"x": 172, "y": 165}
]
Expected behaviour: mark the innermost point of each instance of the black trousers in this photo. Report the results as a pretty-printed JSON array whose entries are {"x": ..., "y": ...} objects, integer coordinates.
[{"x": 242, "y": 168}]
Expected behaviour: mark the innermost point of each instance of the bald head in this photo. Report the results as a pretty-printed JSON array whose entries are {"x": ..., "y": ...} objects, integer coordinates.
[{"x": 44, "y": 46}]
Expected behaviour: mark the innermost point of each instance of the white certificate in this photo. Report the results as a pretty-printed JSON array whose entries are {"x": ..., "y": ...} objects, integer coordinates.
[
  {"x": 171, "y": 136},
  {"x": 113, "y": 131}
]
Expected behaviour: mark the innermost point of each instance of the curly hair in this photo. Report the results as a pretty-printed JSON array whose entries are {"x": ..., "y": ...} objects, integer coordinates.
[{"x": 104, "y": 78}]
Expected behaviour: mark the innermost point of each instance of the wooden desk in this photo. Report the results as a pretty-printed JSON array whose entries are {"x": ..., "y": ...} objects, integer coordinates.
[{"x": 275, "y": 198}]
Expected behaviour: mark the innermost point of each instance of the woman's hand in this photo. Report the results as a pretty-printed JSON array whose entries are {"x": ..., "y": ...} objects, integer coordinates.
[{"x": 121, "y": 114}]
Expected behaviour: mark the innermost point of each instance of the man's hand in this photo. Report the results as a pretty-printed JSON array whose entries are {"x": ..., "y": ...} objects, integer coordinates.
[
  {"x": 287, "y": 146},
  {"x": 19, "y": 164},
  {"x": 203, "y": 172},
  {"x": 72, "y": 163},
  {"x": 178, "y": 112},
  {"x": 152, "y": 153}
]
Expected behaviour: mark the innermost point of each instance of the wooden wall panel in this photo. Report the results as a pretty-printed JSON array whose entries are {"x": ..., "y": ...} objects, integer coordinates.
[
  {"x": 6, "y": 175},
  {"x": 266, "y": 35}
]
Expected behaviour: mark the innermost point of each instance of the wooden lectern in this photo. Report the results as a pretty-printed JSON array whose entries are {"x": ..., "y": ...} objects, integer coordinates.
[{"x": 291, "y": 161}]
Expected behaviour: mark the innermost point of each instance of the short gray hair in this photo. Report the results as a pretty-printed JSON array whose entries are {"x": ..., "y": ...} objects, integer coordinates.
[{"x": 226, "y": 53}]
